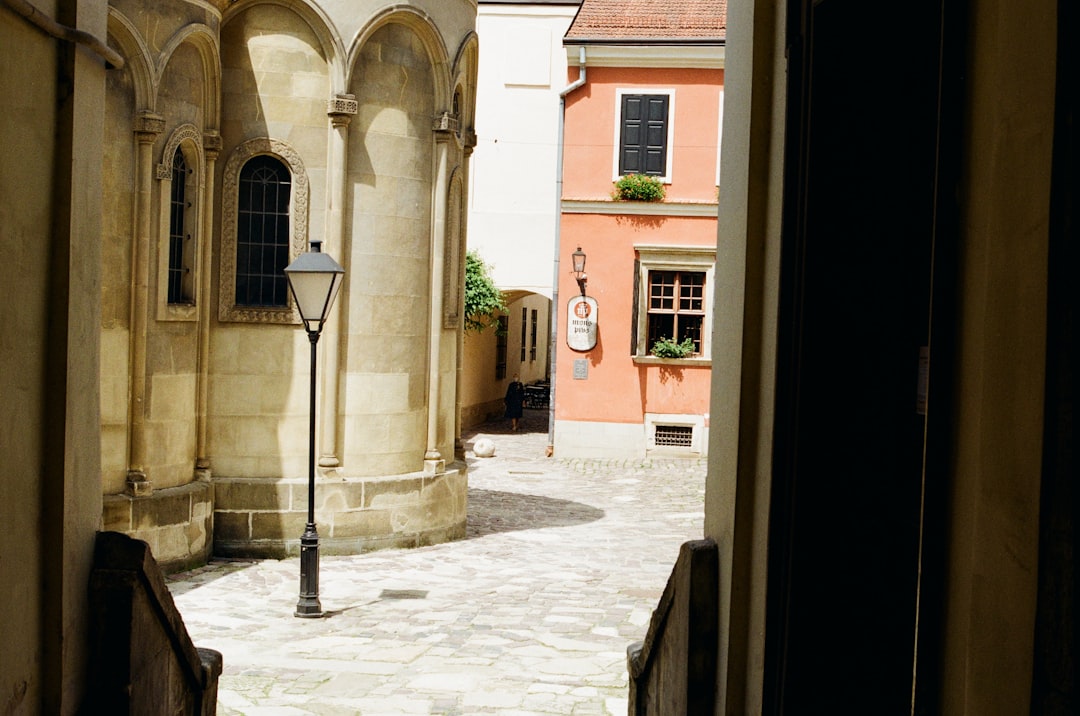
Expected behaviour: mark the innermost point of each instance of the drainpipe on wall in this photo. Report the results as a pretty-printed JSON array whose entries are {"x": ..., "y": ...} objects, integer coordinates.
[{"x": 553, "y": 343}]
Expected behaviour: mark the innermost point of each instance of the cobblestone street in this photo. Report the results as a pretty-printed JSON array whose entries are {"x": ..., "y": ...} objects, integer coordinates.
[{"x": 531, "y": 614}]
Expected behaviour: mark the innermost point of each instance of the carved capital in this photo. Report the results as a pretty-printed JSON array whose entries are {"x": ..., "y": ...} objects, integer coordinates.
[
  {"x": 445, "y": 122},
  {"x": 212, "y": 145},
  {"x": 341, "y": 109},
  {"x": 148, "y": 126}
]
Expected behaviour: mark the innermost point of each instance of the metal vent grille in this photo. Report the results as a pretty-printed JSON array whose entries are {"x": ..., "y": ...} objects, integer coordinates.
[{"x": 674, "y": 436}]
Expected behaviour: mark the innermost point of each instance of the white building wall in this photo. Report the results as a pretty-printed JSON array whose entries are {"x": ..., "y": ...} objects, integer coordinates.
[{"x": 513, "y": 205}]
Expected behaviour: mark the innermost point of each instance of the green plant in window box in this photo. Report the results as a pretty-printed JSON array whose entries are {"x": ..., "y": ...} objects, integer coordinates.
[
  {"x": 668, "y": 348},
  {"x": 638, "y": 187}
]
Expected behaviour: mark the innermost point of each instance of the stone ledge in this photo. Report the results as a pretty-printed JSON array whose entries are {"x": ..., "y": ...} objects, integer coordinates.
[
  {"x": 176, "y": 522},
  {"x": 264, "y": 517}
]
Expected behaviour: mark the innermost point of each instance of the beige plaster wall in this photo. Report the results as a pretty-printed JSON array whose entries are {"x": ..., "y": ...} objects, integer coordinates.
[
  {"x": 275, "y": 83},
  {"x": 388, "y": 223},
  {"x": 172, "y": 346},
  {"x": 481, "y": 394},
  {"x": 26, "y": 208},
  {"x": 50, "y": 229},
  {"x": 118, "y": 217}
]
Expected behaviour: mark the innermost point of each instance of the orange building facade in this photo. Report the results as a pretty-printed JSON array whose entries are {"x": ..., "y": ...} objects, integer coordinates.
[{"x": 652, "y": 109}]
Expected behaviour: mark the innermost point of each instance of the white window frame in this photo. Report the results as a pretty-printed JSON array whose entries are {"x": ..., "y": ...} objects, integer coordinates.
[
  {"x": 617, "y": 147},
  {"x": 653, "y": 257}
]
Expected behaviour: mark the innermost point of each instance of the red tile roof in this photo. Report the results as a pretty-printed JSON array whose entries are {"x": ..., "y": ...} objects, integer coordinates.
[{"x": 645, "y": 20}]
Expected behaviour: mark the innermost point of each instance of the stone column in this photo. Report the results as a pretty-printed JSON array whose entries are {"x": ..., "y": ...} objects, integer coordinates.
[
  {"x": 468, "y": 140},
  {"x": 444, "y": 126},
  {"x": 148, "y": 126},
  {"x": 341, "y": 109},
  {"x": 211, "y": 149}
]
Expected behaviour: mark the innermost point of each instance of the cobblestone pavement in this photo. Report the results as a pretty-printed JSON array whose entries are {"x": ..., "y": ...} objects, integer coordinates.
[{"x": 531, "y": 614}]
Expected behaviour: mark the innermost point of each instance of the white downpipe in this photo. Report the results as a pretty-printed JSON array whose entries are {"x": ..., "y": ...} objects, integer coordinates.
[{"x": 555, "y": 308}]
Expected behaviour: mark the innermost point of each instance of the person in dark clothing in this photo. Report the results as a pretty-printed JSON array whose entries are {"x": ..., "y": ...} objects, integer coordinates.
[{"x": 515, "y": 397}]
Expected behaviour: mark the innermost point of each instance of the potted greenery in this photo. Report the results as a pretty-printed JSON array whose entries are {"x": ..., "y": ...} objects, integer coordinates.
[
  {"x": 638, "y": 187},
  {"x": 668, "y": 348}
]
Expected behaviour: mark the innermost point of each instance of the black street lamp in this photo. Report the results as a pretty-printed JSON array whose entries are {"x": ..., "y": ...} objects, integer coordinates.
[
  {"x": 579, "y": 269},
  {"x": 314, "y": 279}
]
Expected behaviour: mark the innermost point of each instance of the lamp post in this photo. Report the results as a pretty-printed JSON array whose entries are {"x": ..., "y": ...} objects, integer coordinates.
[
  {"x": 314, "y": 279},
  {"x": 579, "y": 268}
]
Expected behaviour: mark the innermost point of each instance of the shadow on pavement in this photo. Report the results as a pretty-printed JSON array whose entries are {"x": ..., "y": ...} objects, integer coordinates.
[{"x": 493, "y": 511}]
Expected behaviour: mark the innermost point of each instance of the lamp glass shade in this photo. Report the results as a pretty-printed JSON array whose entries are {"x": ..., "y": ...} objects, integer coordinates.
[
  {"x": 314, "y": 278},
  {"x": 579, "y": 261}
]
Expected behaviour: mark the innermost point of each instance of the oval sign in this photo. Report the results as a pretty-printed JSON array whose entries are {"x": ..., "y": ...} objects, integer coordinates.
[{"x": 581, "y": 314}]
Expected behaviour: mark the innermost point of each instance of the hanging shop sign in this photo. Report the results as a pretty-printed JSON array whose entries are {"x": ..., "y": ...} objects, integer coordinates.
[{"x": 581, "y": 315}]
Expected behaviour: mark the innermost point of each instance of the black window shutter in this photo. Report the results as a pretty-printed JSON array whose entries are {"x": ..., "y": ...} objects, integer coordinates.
[{"x": 643, "y": 138}]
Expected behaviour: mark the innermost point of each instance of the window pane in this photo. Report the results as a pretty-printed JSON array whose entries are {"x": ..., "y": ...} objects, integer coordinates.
[
  {"x": 692, "y": 291},
  {"x": 661, "y": 325},
  {"x": 690, "y": 327},
  {"x": 662, "y": 290},
  {"x": 177, "y": 212},
  {"x": 262, "y": 249}
]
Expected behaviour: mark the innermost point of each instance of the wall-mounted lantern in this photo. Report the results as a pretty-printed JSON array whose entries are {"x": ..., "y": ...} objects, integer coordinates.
[{"x": 579, "y": 269}]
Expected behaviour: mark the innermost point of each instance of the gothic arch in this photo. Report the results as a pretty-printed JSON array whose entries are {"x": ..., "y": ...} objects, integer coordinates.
[
  {"x": 466, "y": 65},
  {"x": 424, "y": 27},
  {"x": 137, "y": 57},
  {"x": 330, "y": 42},
  {"x": 205, "y": 42}
]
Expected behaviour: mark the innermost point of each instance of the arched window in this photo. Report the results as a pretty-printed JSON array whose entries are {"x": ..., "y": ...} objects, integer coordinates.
[
  {"x": 262, "y": 233},
  {"x": 181, "y": 274}
]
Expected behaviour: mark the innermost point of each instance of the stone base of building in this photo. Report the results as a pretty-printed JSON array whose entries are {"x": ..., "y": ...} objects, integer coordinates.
[
  {"x": 264, "y": 517},
  {"x": 176, "y": 522},
  {"x": 659, "y": 435}
]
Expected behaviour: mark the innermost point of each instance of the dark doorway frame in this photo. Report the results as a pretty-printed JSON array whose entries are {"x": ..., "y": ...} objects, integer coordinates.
[{"x": 859, "y": 491}]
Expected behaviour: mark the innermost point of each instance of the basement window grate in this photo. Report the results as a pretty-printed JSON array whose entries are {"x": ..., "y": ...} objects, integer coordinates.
[{"x": 674, "y": 436}]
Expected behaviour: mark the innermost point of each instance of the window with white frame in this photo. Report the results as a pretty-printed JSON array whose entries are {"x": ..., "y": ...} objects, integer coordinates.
[
  {"x": 644, "y": 132},
  {"x": 674, "y": 290}
]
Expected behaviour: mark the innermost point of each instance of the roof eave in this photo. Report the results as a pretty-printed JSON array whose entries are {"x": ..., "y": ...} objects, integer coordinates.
[{"x": 698, "y": 55}]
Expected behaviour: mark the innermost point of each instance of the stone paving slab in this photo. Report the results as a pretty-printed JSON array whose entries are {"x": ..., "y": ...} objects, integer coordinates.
[{"x": 531, "y": 614}]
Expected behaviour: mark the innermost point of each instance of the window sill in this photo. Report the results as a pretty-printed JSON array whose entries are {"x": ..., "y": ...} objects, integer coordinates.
[{"x": 685, "y": 362}]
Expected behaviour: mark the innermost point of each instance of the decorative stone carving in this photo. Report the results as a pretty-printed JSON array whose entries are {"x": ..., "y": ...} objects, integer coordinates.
[
  {"x": 183, "y": 133},
  {"x": 298, "y": 217},
  {"x": 212, "y": 144},
  {"x": 341, "y": 109},
  {"x": 342, "y": 104},
  {"x": 148, "y": 126},
  {"x": 445, "y": 122}
]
